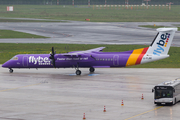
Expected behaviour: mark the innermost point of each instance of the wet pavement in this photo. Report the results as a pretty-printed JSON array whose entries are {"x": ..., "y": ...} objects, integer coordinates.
[
  {"x": 76, "y": 32},
  {"x": 58, "y": 94}
]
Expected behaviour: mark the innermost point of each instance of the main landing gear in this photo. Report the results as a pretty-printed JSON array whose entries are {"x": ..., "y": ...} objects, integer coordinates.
[
  {"x": 78, "y": 72},
  {"x": 11, "y": 70},
  {"x": 91, "y": 69}
]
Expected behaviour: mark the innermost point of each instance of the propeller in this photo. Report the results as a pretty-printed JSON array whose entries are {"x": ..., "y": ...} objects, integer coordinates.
[{"x": 52, "y": 57}]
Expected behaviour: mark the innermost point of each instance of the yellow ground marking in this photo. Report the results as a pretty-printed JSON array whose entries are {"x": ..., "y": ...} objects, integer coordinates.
[
  {"x": 20, "y": 87},
  {"x": 144, "y": 113},
  {"x": 134, "y": 56}
]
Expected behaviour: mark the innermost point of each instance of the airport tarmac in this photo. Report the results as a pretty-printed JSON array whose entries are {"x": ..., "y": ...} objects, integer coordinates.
[
  {"x": 76, "y": 32},
  {"x": 58, "y": 94}
]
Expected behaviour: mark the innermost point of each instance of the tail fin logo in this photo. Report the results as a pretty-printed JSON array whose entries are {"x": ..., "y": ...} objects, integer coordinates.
[{"x": 164, "y": 38}]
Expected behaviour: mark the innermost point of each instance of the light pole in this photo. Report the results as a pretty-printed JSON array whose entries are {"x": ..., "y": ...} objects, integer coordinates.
[
  {"x": 169, "y": 5},
  {"x": 57, "y": 2},
  {"x": 88, "y": 3},
  {"x": 147, "y": 3},
  {"x": 73, "y": 2},
  {"x": 126, "y": 3}
]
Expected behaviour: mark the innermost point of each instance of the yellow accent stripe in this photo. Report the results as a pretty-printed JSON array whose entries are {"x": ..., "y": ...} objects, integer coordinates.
[
  {"x": 134, "y": 56},
  {"x": 19, "y": 87},
  {"x": 144, "y": 113}
]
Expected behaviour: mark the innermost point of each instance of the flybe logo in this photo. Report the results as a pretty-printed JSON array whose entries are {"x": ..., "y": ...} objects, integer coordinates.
[
  {"x": 39, "y": 60},
  {"x": 164, "y": 39}
]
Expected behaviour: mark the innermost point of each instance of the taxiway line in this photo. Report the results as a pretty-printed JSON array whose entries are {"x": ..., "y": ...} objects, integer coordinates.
[
  {"x": 144, "y": 113},
  {"x": 20, "y": 87}
]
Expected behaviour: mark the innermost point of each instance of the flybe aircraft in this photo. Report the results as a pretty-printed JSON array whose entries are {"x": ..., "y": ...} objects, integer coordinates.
[{"x": 94, "y": 58}]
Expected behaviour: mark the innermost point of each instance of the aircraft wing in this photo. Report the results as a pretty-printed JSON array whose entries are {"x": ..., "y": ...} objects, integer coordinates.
[{"x": 78, "y": 53}]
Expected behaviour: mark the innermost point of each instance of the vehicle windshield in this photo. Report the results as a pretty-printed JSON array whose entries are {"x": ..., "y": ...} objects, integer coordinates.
[
  {"x": 14, "y": 58},
  {"x": 163, "y": 94}
]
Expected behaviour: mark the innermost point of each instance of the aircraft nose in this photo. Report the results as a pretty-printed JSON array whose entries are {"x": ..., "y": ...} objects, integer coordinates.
[{"x": 5, "y": 64}]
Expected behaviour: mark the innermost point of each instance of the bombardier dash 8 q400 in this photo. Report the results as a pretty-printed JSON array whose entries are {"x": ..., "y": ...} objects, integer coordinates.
[{"x": 94, "y": 58}]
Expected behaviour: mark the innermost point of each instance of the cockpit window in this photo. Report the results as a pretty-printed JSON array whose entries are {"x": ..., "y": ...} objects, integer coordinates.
[{"x": 14, "y": 58}]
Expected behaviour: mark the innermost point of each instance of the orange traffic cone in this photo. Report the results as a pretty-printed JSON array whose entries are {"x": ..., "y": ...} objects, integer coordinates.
[
  {"x": 104, "y": 109},
  {"x": 84, "y": 117},
  {"x": 122, "y": 103},
  {"x": 142, "y": 97}
]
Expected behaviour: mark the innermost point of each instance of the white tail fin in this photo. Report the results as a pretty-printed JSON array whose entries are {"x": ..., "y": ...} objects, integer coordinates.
[{"x": 162, "y": 41}]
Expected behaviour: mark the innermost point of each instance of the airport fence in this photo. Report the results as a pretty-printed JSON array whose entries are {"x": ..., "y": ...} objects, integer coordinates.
[
  {"x": 86, "y": 2},
  {"x": 132, "y": 7}
]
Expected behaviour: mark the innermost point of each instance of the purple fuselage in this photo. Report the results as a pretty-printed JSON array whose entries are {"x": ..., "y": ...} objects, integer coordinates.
[{"x": 94, "y": 59}]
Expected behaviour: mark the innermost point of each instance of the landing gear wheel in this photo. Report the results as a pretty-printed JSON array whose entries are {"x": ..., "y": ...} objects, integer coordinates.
[
  {"x": 78, "y": 72},
  {"x": 11, "y": 70},
  {"x": 91, "y": 69}
]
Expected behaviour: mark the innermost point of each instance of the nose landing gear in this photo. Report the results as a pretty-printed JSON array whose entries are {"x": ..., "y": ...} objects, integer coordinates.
[
  {"x": 11, "y": 70},
  {"x": 78, "y": 72}
]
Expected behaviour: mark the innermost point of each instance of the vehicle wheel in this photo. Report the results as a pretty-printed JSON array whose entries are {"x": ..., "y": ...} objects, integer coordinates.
[
  {"x": 91, "y": 69},
  {"x": 78, "y": 72},
  {"x": 174, "y": 101},
  {"x": 11, "y": 70},
  {"x": 158, "y": 104}
]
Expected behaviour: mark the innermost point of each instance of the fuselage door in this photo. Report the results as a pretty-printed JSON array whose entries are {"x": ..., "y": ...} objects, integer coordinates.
[
  {"x": 25, "y": 61},
  {"x": 116, "y": 60}
]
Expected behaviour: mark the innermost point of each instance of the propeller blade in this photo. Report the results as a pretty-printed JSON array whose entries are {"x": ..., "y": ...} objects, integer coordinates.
[
  {"x": 53, "y": 50},
  {"x": 54, "y": 63},
  {"x": 52, "y": 60},
  {"x": 50, "y": 57}
]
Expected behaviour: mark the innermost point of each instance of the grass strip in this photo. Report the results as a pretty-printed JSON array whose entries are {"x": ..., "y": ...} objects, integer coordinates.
[
  {"x": 21, "y": 20},
  {"x": 108, "y": 14},
  {"x": 155, "y": 26},
  {"x": 16, "y": 34},
  {"x": 8, "y": 50}
]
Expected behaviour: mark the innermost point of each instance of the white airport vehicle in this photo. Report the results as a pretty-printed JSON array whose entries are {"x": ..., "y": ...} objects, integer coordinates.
[{"x": 167, "y": 92}]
